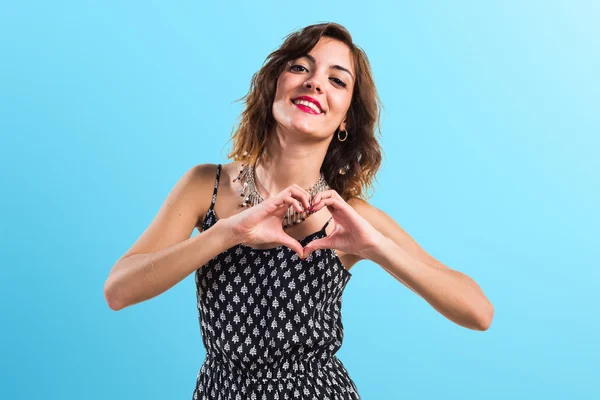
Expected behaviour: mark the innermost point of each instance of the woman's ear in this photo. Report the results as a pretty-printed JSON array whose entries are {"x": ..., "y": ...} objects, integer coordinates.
[{"x": 342, "y": 126}]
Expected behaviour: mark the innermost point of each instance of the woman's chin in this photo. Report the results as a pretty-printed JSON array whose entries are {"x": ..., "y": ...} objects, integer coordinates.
[
  {"x": 305, "y": 131},
  {"x": 299, "y": 128},
  {"x": 305, "y": 127}
]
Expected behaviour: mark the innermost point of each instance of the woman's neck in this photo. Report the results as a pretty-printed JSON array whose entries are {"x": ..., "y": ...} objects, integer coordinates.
[{"x": 275, "y": 173}]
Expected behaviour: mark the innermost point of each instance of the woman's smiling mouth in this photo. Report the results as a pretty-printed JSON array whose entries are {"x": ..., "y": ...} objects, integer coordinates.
[
  {"x": 307, "y": 109},
  {"x": 307, "y": 104}
]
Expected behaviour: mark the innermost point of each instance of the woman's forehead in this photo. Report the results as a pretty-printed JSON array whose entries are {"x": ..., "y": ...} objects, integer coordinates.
[{"x": 333, "y": 52}]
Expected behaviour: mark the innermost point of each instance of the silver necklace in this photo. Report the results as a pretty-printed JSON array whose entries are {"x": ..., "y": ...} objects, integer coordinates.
[{"x": 252, "y": 197}]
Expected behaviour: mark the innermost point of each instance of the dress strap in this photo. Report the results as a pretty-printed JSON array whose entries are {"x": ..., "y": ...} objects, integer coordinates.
[
  {"x": 214, "y": 196},
  {"x": 326, "y": 223}
]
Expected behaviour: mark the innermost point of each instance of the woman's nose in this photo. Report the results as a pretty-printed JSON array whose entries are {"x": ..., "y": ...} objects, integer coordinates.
[{"x": 309, "y": 84}]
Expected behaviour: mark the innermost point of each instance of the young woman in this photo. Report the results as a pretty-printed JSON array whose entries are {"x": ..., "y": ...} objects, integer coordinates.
[{"x": 286, "y": 222}]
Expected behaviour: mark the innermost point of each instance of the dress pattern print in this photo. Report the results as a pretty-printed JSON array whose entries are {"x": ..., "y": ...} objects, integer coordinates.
[{"x": 271, "y": 323}]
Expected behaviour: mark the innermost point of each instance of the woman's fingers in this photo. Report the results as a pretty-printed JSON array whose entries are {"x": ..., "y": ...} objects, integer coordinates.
[
  {"x": 294, "y": 196},
  {"x": 322, "y": 202},
  {"x": 322, "y": 195},
  {"x": 301, "y": 195},
  {"x": 291, "y": 201}
]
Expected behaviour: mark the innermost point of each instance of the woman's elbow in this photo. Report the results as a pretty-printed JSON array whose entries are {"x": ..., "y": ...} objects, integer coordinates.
[
  {"x": 111, "y": 297},
  {"x": 485, "y": 319}
]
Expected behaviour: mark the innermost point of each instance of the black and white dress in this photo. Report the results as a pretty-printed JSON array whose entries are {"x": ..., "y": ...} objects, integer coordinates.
[{"x": 271, "y": 323}]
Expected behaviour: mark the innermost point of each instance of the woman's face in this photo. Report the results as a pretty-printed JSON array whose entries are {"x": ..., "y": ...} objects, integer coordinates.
[{"x": 326, "y": 77}]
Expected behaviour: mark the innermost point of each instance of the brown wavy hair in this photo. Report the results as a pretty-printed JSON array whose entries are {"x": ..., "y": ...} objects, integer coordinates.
[{"x": 360, "y": 155}]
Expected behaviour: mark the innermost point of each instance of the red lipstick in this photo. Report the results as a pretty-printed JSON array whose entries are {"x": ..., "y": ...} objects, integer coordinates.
[{"x": 308, "y": 98}]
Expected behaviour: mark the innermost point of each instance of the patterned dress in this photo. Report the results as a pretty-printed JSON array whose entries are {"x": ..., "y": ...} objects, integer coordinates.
[{"x": 271, "y": 323}]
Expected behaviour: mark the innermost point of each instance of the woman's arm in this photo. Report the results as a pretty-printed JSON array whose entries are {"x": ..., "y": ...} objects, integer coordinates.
[
  {"x": 140, "y": 277},
  {"x": 452, "y": 293},
  {"x": 369, "y": 233},
  {"x": 165, "y": 254}
]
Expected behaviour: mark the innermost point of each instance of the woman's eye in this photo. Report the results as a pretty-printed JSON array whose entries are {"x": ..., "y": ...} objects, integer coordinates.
[
  {"x": 301, "y": 68},
  {"x": 339, "y": 82},
  {"x": 298, "y": 68}
]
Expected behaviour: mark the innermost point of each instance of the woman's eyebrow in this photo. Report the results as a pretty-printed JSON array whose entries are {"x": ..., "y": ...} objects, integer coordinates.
[{"x": 335, "y": 66}]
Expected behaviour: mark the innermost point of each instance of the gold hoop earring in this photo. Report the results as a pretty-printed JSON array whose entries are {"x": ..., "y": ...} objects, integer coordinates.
[{"x": 345, "y": 137}]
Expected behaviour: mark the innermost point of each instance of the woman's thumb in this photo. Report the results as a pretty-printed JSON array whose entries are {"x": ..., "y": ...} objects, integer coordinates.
[
  {"x": 292, "y": 244},
  {"x": 315, "y": 245}
]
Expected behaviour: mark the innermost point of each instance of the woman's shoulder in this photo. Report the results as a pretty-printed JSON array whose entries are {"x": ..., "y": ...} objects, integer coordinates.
[
  {"x": 201, "y": 180},
  {"x": 200, "y": 175},
  {"x": 205, "y": 174}
]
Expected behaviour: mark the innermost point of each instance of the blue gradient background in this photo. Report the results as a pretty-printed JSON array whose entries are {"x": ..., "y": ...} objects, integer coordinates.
[{"x": 491, "y": 137}]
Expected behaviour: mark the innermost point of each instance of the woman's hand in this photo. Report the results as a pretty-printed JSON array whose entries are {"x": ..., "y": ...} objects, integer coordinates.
[
  {"x": 351, "y": 233},
  {"x": 263, "y": 223}
]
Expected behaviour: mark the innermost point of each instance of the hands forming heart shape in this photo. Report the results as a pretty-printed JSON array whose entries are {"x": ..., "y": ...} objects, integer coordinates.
[{"x": 262, "y": 223}]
